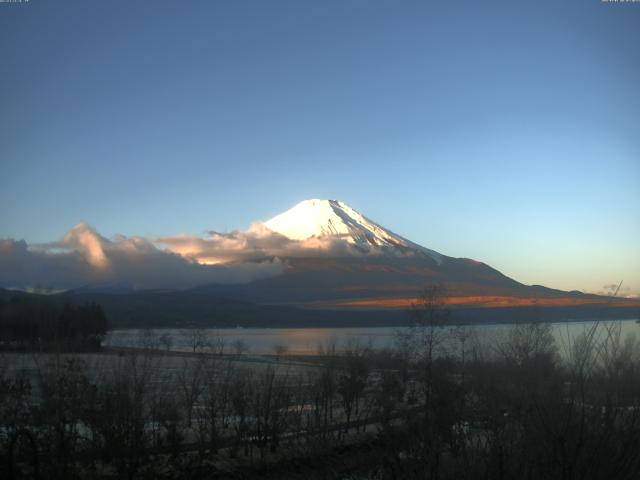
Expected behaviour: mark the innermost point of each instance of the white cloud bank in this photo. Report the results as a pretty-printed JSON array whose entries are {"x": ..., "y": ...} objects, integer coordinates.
[
  {"x": 312, "y": 228},
  {"x": 84, "y": 257},
  {"x": 258, "y": 242}
]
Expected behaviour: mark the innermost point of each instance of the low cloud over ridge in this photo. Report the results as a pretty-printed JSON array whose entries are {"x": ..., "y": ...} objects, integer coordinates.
[
  {"x": 84, "y": 257},
  {"x": 258, "y": 242}
]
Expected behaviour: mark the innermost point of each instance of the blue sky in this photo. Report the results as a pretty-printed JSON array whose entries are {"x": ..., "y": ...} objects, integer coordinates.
[{"x": 508, "y": 132}]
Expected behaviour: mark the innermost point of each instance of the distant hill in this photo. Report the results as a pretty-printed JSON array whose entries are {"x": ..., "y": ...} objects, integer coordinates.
[{"x": 177, "y": 309}]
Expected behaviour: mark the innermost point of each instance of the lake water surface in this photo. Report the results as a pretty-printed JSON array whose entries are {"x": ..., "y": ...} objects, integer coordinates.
[{"x": 306, "y": 341}]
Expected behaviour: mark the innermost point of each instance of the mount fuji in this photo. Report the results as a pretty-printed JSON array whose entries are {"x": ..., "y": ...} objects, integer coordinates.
[
  {"x": 320, "y": 263},
  {"x": 332, "y": 218},
  {"x": 374, "y": 268}
]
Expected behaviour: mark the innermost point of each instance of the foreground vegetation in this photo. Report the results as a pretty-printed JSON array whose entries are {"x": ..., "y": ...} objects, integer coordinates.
[{"x": 440, "y": 405}]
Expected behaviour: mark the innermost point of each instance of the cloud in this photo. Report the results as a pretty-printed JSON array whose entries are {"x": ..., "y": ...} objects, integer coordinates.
[
  {"x": 86, "y": 240},
  {"x": 258, "y": 242},
  {"x": 84, "y": 257},
  {"x": 609, "y": 289}
]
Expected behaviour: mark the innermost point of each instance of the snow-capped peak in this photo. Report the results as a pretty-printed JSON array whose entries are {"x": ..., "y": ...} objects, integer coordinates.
[{"x": 319, "y": 218}]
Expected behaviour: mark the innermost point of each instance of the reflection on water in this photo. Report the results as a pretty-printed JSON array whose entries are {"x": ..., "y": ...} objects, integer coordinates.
[{"x": 305, "y": 341}]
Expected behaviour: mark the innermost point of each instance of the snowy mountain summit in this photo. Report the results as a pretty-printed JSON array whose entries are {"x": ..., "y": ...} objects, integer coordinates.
[{"x": 321, "y": 218}]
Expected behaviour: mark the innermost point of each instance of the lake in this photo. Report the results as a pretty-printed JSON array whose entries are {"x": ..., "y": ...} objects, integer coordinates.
[{"x": 305, "y": 341}]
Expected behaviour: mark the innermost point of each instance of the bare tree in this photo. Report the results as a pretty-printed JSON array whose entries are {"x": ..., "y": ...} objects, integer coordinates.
[
  {"x": 166, "y": 412},
  {"x": 149, "y": 339},
  {"x": 463, "y": 335},
  {"x": 196, "y": 339},
  {"x": 240, "y": 347},
  {"x": 118, "y": 411},
  {"x": 217, "y": 343},
  {"x": 191, "y": 380},
  {"x": 217, "y": 401},
  {"x": 352, "y": 379},
  {"x": 280, "y": 350},
  {"x": 529, "y": 344},
  {"x": 166, "y": 340},
  {"x": 241, "y": 392},
  {"x": 64, "y": 387},
  {"x": 324, "y": 388},
  {"x": 270, "y": 400},
  {"x": 426, "y": 338},
  {"x": 14, "y": 408}
]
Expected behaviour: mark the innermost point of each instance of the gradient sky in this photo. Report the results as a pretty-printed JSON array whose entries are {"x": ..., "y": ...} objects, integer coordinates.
[{"x": 508, "y": 132}]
